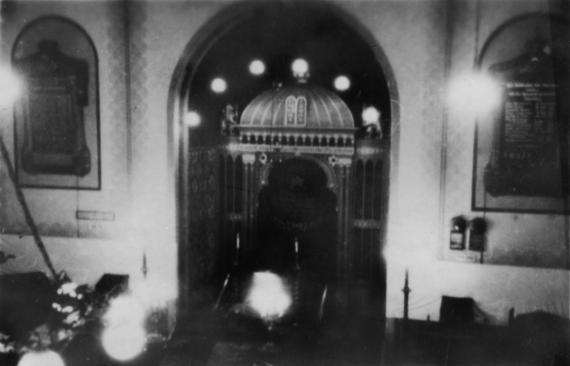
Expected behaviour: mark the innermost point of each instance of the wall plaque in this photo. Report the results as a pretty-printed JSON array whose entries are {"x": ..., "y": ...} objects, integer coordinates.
[
  {"x": 525, "y": 158},
  {"x": 53, "y": 141},
  {"x": 521, "y": 160},
  {"x": 56, "y": 120}
]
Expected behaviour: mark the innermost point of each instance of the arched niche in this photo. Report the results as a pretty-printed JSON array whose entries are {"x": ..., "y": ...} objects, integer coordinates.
[
  {"x": 57, "y": 118},
  {"x": 197, "y": 143}
]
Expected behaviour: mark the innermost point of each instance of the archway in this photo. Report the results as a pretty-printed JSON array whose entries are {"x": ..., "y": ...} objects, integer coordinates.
[
  {"x": 221, "y": 174},
  {"x": 297, "y": 220}
]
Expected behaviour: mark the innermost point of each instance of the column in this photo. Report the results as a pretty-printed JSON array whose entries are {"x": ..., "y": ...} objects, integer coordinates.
[{"x": 248, "y": 203}]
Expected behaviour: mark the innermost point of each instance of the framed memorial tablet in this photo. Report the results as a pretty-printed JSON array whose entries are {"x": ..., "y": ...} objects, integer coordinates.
[
  {"x": 521, "y": 159},
  {"x": 57, "y": 119}
]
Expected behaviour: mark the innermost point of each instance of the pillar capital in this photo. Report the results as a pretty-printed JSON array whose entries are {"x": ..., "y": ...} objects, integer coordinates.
[{"x": 248, "y": 158}]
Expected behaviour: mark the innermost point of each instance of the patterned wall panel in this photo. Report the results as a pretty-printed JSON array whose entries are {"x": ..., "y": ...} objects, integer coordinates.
[
  {"x": 203, "y": 215},
  {"x": 114, "y": 74},
  {"x": 138, "y": 76},
  {"x": 432, "y": 87}
]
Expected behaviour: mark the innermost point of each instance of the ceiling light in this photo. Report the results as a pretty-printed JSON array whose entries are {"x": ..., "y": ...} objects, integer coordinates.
[
  {"x": 218, "y": 85},
  {"x": 300, "y": 68},
  {"x": 257, "y": 67},
  {"x": 191, "y": 119},
  {"x": 370, "y": 115},
  {"x": 341, "y": 83}
]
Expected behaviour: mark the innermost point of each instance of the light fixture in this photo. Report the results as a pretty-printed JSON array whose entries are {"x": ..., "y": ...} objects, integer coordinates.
[
  {"x": 256, "y": 67},
  {"x": 10, "y": 87},
  {"x": 473, "y": 94},
  {"x": 191, "y": 119},
  {"x": 269, "y": 296},
  {"x": 123, "y": 342},
  {"x": 218, "y": 85},
  {"x": 341, "y": 83},
  {"x": 124, "y": 337},
  {"x": 300, "y": 68},
  {"x": 43, "y": 358},
  {"x": 370, "y": 115}
]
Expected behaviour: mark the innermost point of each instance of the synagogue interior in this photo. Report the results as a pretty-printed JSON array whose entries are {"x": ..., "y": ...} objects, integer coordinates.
[{"x": 284, "y": 182}]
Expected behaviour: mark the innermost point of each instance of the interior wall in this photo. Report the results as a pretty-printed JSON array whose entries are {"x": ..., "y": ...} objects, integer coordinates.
[{"x": 84, "y": 248}]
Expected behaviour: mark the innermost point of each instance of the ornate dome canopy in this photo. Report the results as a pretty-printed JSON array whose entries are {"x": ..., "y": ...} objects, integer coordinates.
[{"x": 298, "y": 107}]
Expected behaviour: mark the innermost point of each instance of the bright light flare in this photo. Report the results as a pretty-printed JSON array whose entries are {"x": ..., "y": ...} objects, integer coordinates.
[
  {"x": 41, "y": 358},
  {"x": 474, "y": 94},
  {"x": 269, "y": 296},
  {"x": 257, "y": 67},
  {"x": 370, "y": 115},
  {"x": 191, "y": 119},
  {"x": 124, "y": 336},
  {"x": 10, "y": 87},
  {"x": 124, "y": 342},
  {"x": 300, "y": 68},
  {"x": 218, "y": 85},
  {"x": 341, "y": 83}
]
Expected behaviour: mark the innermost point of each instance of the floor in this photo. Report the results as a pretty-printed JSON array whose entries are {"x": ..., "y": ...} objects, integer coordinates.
[
  {"x": 212, "y": 339},
  {"x": 522, "y": 343}
]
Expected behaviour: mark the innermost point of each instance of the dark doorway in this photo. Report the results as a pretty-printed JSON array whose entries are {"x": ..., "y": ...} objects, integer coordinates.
[{"x": 297, "y": 220}]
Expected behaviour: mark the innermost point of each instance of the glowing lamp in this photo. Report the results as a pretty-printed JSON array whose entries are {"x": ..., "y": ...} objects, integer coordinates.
[
  {"x": 191, "y": 119},
  {"x": 10, "y": 87},
  {"x": 124, "y": 336},
  {"x": 300, "y": 68},
  {"x": 124, "y": 342},
  {"x": 41, "y": 358},
  {"x": 257, "y": 67},
  {"x": 218, "y": 85},
  {"x": 474, "y": 94},
  {"x": 370, "y": 115},
  {"x": 269, "y": 296},
  {"x": 341, "y": 83}
]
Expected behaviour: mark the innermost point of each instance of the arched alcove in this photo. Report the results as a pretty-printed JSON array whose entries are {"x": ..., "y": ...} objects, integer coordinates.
[{"x": 227, "y": 159}]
